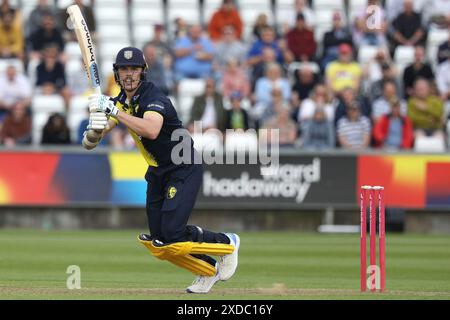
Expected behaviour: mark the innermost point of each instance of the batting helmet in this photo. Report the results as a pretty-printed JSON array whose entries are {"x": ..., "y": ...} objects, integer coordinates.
[{"x": 130, "y": 56}]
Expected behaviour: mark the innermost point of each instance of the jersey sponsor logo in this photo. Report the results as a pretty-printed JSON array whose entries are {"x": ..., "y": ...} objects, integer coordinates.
[
  {"x": 157, "y": 106},
  {"x": 171, "y": 192}
]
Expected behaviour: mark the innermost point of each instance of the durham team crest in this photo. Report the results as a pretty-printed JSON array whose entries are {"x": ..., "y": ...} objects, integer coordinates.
[{"x": 128, "y": 54}]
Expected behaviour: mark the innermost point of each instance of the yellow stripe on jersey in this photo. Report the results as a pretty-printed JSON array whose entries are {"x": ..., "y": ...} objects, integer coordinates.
[
  {"x": 153, "y": 112},
  {"x": 151, "y": 161}
]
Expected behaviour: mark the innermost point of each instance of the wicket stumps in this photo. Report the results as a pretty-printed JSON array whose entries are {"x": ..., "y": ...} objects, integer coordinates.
[{"x": 377, "y": 278}]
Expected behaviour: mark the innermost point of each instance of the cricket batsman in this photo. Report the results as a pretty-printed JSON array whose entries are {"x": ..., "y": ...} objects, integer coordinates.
[{"x": 171, "y": 188}]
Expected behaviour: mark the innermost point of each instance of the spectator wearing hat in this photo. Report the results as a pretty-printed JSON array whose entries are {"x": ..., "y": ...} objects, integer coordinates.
[
  {"x": 393, "y": 130},
  {"x": 300, "y": 41},
  {"x": 333, "y": 39},
  {"x": 353, "y": 130},
  {"x": 225, "y": 16},
  {"x": 344, "y": 72},
  {"x": 236, "y": 117}
]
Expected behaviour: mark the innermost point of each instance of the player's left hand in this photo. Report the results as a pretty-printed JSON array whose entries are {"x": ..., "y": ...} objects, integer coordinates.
[
  {"x": 97, "y": 121},
  {"x": 102, "y": 103}
]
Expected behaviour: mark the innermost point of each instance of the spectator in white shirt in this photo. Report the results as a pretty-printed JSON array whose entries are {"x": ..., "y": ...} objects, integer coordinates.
[
  {"x": 14, "y": 89},
  {"x": 318, "y": 99}
]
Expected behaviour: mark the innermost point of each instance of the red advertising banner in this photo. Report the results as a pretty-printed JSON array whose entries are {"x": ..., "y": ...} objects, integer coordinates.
[{"x": 410, "y": 181}]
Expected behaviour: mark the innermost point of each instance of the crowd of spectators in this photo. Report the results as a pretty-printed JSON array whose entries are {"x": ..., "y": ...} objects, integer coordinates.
[{"x": 276, "y": 76}]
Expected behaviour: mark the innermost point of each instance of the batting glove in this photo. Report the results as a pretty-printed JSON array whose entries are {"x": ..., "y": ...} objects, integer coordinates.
[
  {"x": 97, "y": 121},
  {"x": 102, "y": 103}
]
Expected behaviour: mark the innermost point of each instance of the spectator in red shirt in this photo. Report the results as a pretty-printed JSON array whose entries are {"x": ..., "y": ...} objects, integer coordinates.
[
  {"x": 226, "y": 15},
  {"x": 392, "y": 130},
  {"x": 300, "y": 40}
]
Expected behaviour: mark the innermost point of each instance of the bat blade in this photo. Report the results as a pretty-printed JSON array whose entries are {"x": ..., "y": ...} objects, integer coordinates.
[{"x": 86, "y": 46}]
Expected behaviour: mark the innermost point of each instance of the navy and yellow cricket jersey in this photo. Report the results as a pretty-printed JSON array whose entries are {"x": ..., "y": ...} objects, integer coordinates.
[{"x": 149, "y": 98}]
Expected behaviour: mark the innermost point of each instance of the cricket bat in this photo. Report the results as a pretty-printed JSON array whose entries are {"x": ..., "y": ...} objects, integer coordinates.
[{"x": 86, "y": 46}]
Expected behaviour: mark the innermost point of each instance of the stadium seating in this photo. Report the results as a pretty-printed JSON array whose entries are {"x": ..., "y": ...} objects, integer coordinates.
[
  {"x": 404, "y": 56},
  {"x": 366, "y": 53},
  {"x": 429, "y": 144},
  {"x": 324, "y": 23},
  {"x": 77, "y": 112},
  {"x": 435, "y": 38},
  {"x": 107, "y": 51},
  {"x": 208, "y": 9},
  {"x": 72, "y": 50},
  {"x": 283, "y": 9},
  {"x": 330, "y": 5},
  {"x": 110, "y": 31},
  {"x": 145, "y": 14},
  {"x": 17, "y": 63},
  {"x": 189, "y": 10},
  {"x": 188, "y": 89},
  {"x": 354, "y": 8}
]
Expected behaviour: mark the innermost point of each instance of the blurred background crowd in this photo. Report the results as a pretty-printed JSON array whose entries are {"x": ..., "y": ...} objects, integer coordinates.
[{"x": 351, "y": 74}]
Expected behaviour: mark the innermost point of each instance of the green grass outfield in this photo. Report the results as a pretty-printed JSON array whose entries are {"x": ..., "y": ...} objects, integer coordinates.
[{"x": 273, "y": 265}]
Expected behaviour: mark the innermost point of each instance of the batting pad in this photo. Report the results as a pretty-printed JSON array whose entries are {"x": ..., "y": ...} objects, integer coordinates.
[{"x": 180, "y": 254}]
